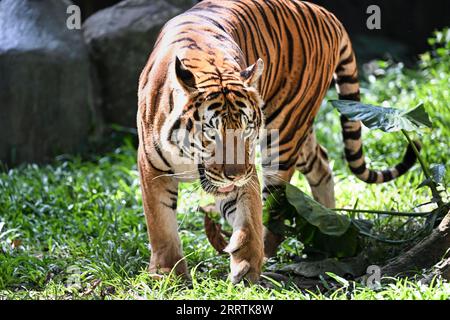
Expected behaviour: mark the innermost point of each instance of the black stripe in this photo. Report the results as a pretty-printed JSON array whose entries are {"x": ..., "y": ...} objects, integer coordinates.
[
  {"x": 346, "y": 80},
  {"x": 215, "y": 106},
  {"x": 157, "y": 96},
  {"x": 285, "y": 150},
  {"x": 212, "y": 21},
  {"x": 290, "y": 45},
  {"x": 352, "y": 135},
  {"x": 156, "y": 168},
  {"x": 208, "y": 86},
  {"x": 171, "y": 101},
  {"x": 343, "y": 50},
  {"x": 196, "y": 115},
  {"x": 213, "y": 95},
  {"x": 173, "y": 206},
  {"x": 351, "y": 96},
  {"x": 175, "y": 126},
  {"x": 210, "y": 78},
  {"x": 326, "y": 175},
  {"x": 228, "y": 208},
  {"x": 189, "y": 124},
  {"x": 410, "y": 157},
  {"x": 174, "y": 193},
  {"x": 265, "y": 19},
  {"x": 350, "y": 156},
  {"x": 401, "y": 168},
  {"x": 372, "y": 177},
  {"x": 158, "y": 150},
  {"x": 323, "y": 153},
  {"x": 229, "y": 212},
  {"x": 237, "y": 93},
  {"x": 192, "y": 46},
  {"x": 345, "y": 62},
  {"x": 183, "y": 39},
  {"x": 240, "y": 104},
  {"x": 184, "y": 23},
  {"x": 387, "y": 175},
  {"x": 310, "y": 166},
  {"x": 408, "y": 160},
  {"x": 359, "y": 170},
  {"x": 212, "y": 178}
]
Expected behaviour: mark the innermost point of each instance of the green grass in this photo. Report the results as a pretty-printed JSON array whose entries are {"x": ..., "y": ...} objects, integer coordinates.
[{"x": 75, "y": 228}]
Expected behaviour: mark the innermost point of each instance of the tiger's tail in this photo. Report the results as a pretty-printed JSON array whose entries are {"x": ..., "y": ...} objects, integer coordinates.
[{"x": 347, "y": 84}]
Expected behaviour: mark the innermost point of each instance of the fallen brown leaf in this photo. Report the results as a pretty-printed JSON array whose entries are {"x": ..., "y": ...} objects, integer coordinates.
[
  {"x": 16, "y": 243},
  {"x": 213, "y": 230}
]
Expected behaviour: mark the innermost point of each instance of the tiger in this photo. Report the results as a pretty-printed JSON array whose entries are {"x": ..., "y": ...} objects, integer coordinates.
[{"x": 252, "y": 67}]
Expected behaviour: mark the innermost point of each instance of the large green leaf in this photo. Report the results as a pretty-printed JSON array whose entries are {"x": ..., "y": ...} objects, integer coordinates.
[
  {"x": 290, "y": 212},
  {"x": 385, "y": 119},
  {"x": 328, "y": 221}
]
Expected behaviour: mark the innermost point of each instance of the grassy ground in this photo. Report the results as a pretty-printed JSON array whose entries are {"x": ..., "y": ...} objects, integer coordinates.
[{"x": 75, "y": 229}]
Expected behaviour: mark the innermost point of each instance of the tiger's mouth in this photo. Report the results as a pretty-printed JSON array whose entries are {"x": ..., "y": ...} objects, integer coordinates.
[
  {"x": 216, "y": 189},
  {"x": 227, "y": 188}
]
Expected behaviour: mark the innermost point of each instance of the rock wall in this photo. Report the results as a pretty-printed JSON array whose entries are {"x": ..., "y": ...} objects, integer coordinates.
[
  {"x": 120, "y": 40},
  {"x": 45, "y": 86}
]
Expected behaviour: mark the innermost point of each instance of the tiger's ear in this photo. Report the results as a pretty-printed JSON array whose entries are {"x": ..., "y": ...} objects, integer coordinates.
[
  {"x": 185, "y": 77},
  {"x": 251, "y": 75}
]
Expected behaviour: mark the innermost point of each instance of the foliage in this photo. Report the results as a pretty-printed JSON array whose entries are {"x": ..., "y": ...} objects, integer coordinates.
[
  {"x": 392, "y": 120},
  {"x": 385, "y": 119},
  {"x": 390, "y": 84},
  {"x": 292, "y": 213}
]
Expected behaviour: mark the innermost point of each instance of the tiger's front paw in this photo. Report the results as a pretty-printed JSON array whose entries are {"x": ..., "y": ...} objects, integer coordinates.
[
  {"x": 162, "y": 265},
  {"x": 247, "y": 255}
]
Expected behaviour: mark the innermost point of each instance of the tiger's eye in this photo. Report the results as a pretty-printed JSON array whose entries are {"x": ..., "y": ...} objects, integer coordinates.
[{"x": 210, "y": 133}]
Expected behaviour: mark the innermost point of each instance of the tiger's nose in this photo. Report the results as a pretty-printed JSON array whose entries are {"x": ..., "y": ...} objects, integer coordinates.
[{"x": 234, "y": 171}]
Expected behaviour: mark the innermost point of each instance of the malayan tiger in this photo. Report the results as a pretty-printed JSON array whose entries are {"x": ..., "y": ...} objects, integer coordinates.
[{"x": 242, "y": 66}]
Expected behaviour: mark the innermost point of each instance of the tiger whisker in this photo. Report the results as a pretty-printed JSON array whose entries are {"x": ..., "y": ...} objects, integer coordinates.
[{"x": 179, "y": 174}]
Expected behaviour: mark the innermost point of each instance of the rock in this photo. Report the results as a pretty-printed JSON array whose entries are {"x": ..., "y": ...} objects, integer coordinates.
[
  {"x": 350, "y": 267},
  {"x": 45, "y": 89},
  {"x": 120, "y": 39},
  {"x": 183, "y": 4},
  {"x": 276, "y": 281}
]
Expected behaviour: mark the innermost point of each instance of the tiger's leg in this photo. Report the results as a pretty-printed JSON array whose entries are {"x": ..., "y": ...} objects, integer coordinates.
[
  {"x": 313, "y": 163},
  {"x": 159, "y": 196},
  {"x": 244, "y": 213}
]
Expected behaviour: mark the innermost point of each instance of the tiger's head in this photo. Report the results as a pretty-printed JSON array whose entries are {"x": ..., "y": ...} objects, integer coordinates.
[{"x": 222, "y": 115}]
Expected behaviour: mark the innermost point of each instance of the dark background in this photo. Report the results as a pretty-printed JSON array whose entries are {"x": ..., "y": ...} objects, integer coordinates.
[{"x": 405, "y": 24}]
